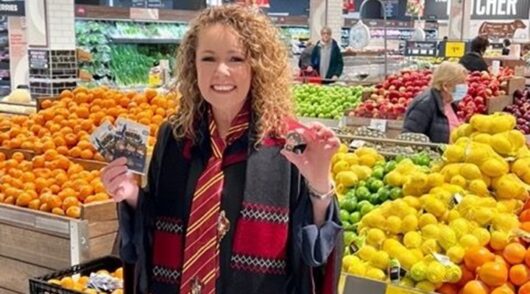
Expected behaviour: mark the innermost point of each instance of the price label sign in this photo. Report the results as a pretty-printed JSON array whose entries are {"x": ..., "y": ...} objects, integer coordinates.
[
  {"x": 455, "y": 49},
  {"x": 378, "y": 124},
  {"x": 356, "y": 144}
]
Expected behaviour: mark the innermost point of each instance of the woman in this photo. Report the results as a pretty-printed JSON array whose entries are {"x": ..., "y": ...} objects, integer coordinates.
[
  {"x": 506, "y": 43},
  {"x": 227, "y": 209},
  {"x": 474, "y": 60},
  {"x": 433, "y": 112}
]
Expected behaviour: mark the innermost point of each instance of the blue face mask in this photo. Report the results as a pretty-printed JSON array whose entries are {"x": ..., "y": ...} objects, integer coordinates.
[{"x": 460, "y": 92}]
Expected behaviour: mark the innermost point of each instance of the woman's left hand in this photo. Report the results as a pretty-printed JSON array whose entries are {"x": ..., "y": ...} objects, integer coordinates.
[{"x": 315, "y": 162}]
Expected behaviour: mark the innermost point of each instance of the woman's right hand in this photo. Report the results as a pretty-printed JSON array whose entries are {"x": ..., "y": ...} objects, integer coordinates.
[{"x": 119, "y": 183}]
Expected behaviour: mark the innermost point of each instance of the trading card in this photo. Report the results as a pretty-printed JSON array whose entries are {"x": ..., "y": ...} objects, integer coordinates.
[
  {"x": 103, "y": 139},
  {"x": 132, "y": 143}
]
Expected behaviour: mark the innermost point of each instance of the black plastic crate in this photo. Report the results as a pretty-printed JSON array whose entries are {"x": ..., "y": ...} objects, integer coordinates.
[{"x": 40, "y": 285}]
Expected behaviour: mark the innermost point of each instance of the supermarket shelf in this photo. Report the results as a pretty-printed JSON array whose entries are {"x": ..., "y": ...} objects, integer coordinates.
[
  {"x": 145, "y": 41},
  {"x": 331, "y": 123}
]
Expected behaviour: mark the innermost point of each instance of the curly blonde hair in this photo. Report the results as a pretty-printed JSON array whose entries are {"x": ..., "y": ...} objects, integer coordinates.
[{"x": 270, "y": 91}]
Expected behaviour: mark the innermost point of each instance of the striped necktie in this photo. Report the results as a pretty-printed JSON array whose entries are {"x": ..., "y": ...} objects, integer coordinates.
[{"x": 201, "y": 253}]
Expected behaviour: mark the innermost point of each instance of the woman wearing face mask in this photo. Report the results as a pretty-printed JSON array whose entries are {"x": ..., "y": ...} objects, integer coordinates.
[{"x": 433, "y": 112}]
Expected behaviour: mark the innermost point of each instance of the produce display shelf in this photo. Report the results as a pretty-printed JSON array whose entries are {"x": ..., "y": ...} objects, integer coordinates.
[
  {"x": 331, "y": 123},
  {"x": 349, "y": 284},
  {"x": 145, "y": 41},
  {"x": 392, "y": 141},
  {"x": 35, "y": 243},
  {"x": 88, "y": 165}
]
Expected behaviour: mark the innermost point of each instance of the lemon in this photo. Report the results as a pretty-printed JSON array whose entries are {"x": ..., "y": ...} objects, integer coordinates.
[
  {"x": 499, "y": 240},
  {"x": 505, "y": 222},
  {"x": 501, "y": 144},
  {"x": 375, "y": 237},
  {"x": 426, "y": 286},
  {"x": 351, "y": 159},
  {"x": 454, "y": 153},
  {"x": 459, "y": 181},
  {"x": 418, "y": 271},
  {"x": 349, "y": 260},
  {"x": 412, "y": 201},
  {"x": 430, "y": 246},
  {"x": 347, "y": 178},
  {"x": 483, "y": 235},
  {"x": 409, "y": 223},
  {"x": 456, "y": 254},
  {"x": 380, "y": 260},
  {"x": 394, "y": 178},
  {"x": 447, "y": 237},
  {"x": 479, "y": 187},
  {"x": 460, "y": 226},
  {"x": 412, "y": 239},
  {"x": 453, "y": 273},
  {"x": 435, "y": 179},
  {"x": 368, "y": 160},
  {"x": 337, "y": 157},
  {"x": 362, "y": 172},
  {"x": 430, "y": 231},
  {"x": 426, "y": 219},
  {"x": 357, "y": 269},
  {"x": 418, "y": 254},
  {"x": 406, "y": 282},
  {"x": 452, "y": 215},
  {"x": 393, "y": 224},
  {"x": 375, "y": 273},
  {"x": 373, "y": 219},
  {"x": 343, "y": 148},
  {"x": 435, "y": 272},
  {"x": 393, "y": 247},
  {"x": 407, "y": 259},
  {"x": 483, "y": 215},
  {"x": 494, "y": 167},
  {"x": 341, "y": 165},
  {"x": 467, "y": 241},
  {"x": 436, "y": 207},
  {"x": 366, "y": 252}
]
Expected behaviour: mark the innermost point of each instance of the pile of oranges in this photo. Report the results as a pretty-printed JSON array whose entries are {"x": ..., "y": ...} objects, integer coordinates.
[
  {"x": 504, "y": 269},
  {"x": 65, "y": 124},
  {"x": 81, "y": 283},
  {"x": 49, "y": 182}
]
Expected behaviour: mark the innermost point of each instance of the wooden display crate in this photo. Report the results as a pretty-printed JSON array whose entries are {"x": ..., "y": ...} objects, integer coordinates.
[
  {"x": 497, "y": 104},
  {"x": 514, "y": 84},
  {"x": 35, "y": 243},
  {"x": 392, "y": 128}
]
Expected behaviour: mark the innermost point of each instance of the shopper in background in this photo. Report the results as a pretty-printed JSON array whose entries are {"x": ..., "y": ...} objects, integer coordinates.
[
  {"x": 433, "y": 112},
  {"x": 226, "y": 208},
  {"x": 326, "y": 58},
  {"x": 506, "y": 43},
  {"x": 305, "y": 57},
  {"x": 474, "y": 60}
]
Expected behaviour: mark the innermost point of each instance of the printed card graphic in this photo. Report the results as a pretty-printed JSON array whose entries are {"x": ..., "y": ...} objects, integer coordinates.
[
  {"x": 103, "y": 139},
  {"x": 131, "y": 142}
]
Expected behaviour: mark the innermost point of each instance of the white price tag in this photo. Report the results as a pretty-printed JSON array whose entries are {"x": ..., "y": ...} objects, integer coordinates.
[
  {"x": 378, "y": 124},
  {"x": 444, "y": 260},
  {"x": 355, "y": 144}
]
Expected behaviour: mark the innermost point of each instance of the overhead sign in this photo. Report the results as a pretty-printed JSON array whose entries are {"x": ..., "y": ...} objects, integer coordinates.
[
  {"x": 455, "y": 49},
  {"x": 12, "y": 8},
  {"x": 417, "y": 48},
  {"x": 481, "y": 9}
]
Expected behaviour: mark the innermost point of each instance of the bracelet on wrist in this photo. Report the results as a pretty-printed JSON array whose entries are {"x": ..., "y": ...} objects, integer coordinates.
[{"x": 318, "y": 195}]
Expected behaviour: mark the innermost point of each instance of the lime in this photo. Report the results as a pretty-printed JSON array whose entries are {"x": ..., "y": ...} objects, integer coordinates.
[
  {"x": 383, "y": 194},
  {"x": 374, "y": 199},
  {"x": 378, "y": 172},
  {"x": 344, "y": 215},
  {"x": 362, "y": 193},
  {"x": 390, "y": 166},
  {"x": 418, "y": 271},
  {"x": 355, "y": 217},
  {"x": 366, "y": 208},
  {"x": 375, "y": 185},
  {"x": 349, "y": 237},
  {"x": 350, "y": 194},
  {"x": 361, "y": 183},
  {"x": 349, "y": 204},
  {"x": 395, "y": 193}
]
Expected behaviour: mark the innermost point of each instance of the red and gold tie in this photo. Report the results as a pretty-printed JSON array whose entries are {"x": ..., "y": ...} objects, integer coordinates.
[{"x": 201, "y": 253}]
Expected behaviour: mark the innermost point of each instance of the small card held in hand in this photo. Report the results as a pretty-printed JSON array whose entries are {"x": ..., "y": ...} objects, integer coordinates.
[{"x": 127, "y": 139}]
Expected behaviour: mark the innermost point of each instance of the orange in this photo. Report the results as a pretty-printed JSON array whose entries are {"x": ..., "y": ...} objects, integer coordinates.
[
  {"x": 67, "y": 192},
  {"x": 73, "y": 211},
  {"x": 46, "y": 104},
  {"x": 18, "y": 156},
  {"x": 85, "y": 191},
  {"x": 34, "y": 204},
  {"x": 101, "y": 197},
  {"x": 447, "y": 289},
  {"x": 63, "y": 150},
  {"x": 58, "y": 211},
  {"x": 504, "y": 289},
  {"x": 475, "y": 287},
  {"x": 29, "y": 186},
  {"x": 28, "y": 177},
  {"x": 14, "y": 143},
  {"x": 519, "y": 274},
  {"x": 87, "y": 154},
  {"x": 2, "y": 198},
  {"x": 82, "y": 112},
  {"x": 23, "y": 199},
  {"x": 58, "y": 118},
  {"x": 54, "y": 201},
  {"x": 28, "y": 145},
  {"x": 59, "y": 141},
  {"x": 71, "y": 139},
  {"x": 63, "y": 162},
  {"x": 38, "y": 161},
  {"x": 99, "y": 157},
  {"x": 514, "y": 253},
  {"x": 524, "y": 216},
  {"x": 493, "y": 273},
  {"x": 44, "y": 207},
  {"x": 87, "y": 125},
  {"x": 9, "y": 200},
  {"x": 69, "y": 202},
  {"x": 75, "y": 152},
  {"x": 524, "y": 289},
  {"x": 476, "y": 256}
]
